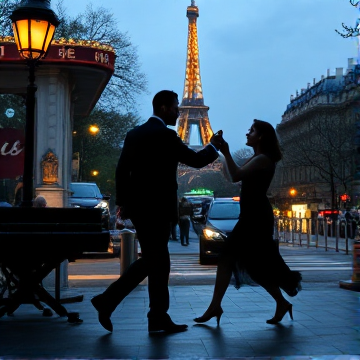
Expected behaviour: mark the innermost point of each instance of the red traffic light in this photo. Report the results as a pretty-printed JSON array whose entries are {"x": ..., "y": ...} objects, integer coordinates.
[{"x": 344, "y": 197}]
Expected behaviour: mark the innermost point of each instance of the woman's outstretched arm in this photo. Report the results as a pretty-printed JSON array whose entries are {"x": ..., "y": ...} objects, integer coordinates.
[{"x": 236, "y": 172}]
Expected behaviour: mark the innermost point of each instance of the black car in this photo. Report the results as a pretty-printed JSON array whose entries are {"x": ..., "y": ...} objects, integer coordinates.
[
  {"x": 88, "y": 195},
  {"x": 221, "y": 218},
  {"x": 200, "y": 205}
]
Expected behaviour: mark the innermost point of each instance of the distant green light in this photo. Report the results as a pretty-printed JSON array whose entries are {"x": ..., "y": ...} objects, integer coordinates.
[{"x": 200, "y": 191}]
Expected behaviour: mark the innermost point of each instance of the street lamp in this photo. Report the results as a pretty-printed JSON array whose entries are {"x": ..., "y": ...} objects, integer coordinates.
[
  {"x": 34, "y": 25},
  {"x": 293, "y": 192},
  {"x": 93, "y": 130}
]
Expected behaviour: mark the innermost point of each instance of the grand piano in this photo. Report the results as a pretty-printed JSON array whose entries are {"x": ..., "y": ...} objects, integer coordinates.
[{"x": 35, "y": 241}]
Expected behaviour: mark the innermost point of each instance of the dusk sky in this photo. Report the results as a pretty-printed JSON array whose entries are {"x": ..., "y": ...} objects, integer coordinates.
[{"x": 253, "y": 54}]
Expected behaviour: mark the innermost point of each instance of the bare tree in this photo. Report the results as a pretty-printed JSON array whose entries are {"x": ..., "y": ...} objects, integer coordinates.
[
  {"x": 99, "y": 24},
  {"x": 349, "y": 30},
  {"x": 241, "y": 155},
  {"x": 6, "y": 8},
  {"x": 323, "y": 148}
]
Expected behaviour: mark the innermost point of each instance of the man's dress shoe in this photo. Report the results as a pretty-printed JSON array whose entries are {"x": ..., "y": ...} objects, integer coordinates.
[
  {"x": 164, "y": 324},
  {"x": 104, "y": 316}
]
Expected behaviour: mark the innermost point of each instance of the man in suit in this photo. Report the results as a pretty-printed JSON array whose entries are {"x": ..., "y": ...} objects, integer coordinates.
[{"x": 148, "y": 166}]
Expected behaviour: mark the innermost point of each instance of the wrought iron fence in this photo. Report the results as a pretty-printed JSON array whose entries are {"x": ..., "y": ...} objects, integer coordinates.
[{"x": 320, "y": 233}]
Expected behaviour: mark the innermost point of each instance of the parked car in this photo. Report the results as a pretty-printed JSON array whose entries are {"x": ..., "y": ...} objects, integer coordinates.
[
  {"x": 220, "y": 220},
  {"x": 199, "y": 205},
  {"x": 88, "y": 195}
]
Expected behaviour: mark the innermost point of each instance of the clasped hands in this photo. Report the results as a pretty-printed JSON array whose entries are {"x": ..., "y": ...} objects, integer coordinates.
[{"x": 218, "y": 141}]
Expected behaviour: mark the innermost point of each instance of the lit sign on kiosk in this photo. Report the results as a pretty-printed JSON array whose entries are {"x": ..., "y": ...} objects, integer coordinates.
[
  {"x": 63, "y": 51},
  {"x": 200, "y": 191}
]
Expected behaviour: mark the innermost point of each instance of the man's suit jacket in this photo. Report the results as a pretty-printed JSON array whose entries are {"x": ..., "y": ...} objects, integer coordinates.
[{"x": 146, "y": 174}]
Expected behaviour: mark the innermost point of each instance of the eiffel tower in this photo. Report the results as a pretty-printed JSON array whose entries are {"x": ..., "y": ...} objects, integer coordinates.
[{"x": 193, "y": 124}]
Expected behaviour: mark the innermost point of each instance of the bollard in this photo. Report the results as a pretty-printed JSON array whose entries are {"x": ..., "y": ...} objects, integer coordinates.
[
  {"x": 346, "y": 240},
  {"x": 128, "y": 252},
  {"x": 308, "y": 231},
  {"x": 354, "y": 283},
  {"x": 326, "y": 233},
  {"x": 337, "y": 232}
]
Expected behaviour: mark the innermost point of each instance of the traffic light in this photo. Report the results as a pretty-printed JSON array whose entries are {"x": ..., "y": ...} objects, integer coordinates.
[{"x": 345, "y": 198}]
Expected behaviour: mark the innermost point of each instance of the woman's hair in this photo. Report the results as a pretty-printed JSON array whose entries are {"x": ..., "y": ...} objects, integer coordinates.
[{"x": 269, "y": 143}]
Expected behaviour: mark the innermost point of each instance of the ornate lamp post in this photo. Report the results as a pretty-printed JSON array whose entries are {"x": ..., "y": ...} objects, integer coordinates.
[{"x": 34, "y": 25}]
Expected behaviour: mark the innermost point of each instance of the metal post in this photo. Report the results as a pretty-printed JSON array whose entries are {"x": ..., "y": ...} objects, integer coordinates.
[
  {"x": 317, "y": 233},
  {"x": 346, "y": 239},
  {"x": 337, "y": 230},
  {"x": 276, "y": 231},
  {"x": 325, "y": 233},
  {"x": 29, "y": 139},
  {"x": 308, "y": 231}
]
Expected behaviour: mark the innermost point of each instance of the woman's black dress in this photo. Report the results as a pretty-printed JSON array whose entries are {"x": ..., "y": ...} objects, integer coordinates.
[{"x": 251, "y": 247}]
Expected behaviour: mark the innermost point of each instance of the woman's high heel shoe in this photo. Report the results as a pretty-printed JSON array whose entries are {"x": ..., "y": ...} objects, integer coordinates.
[
  {"x": 280, "y": 314},
  {"x": 206, "y": 317}
]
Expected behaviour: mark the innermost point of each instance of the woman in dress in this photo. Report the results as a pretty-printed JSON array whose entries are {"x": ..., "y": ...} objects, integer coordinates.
[{"x": 250, "y": 249}]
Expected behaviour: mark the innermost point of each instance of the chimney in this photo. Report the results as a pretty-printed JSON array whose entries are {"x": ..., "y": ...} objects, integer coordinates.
[
  {"x": 314, "y": 81},
  {"x": 339, "y": 72},
  {"x": 328, "y": 73},
  {"x": 351, "y": 63}
]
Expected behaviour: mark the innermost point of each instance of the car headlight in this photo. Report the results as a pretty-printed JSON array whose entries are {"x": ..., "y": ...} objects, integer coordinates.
[
  {"x": 102, "y": 204},
  {"x": 211, "y": 234},
  {"x": 75, "y": 206}
]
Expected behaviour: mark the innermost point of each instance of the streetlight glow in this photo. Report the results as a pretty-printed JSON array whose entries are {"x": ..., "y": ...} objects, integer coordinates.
[
  {"x": 292, "y": 192},
  {"x": 94, "y": 129}
]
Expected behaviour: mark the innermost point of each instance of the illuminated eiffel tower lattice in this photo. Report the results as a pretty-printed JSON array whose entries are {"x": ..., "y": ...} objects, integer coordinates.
[{"x": 193, "y": 123}]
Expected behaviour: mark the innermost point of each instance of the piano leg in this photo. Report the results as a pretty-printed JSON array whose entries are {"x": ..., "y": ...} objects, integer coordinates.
[{"x": 45, "y": 297}]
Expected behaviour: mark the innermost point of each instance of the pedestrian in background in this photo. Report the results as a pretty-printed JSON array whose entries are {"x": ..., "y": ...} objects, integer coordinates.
[
  {"x": 39, "y": 202},
  {"x": 173, "y": 228},
  {"x": 185, "y": 211}
]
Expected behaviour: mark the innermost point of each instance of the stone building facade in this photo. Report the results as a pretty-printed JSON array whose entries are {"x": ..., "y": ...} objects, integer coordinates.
[{"x": 320, "y": 138}]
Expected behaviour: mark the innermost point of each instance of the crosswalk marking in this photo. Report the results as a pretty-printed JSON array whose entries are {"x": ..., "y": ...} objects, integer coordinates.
[{"x": 189, "y": 265}]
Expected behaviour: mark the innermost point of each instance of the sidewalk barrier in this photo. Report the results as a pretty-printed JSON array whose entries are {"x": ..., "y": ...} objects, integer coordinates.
[
  {"x": 129, "y": 249},
  {"x": 354, "y": 283}
]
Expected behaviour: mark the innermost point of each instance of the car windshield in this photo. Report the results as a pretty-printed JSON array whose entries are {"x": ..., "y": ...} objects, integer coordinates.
[
  {"x": 224, "y": 210},
  {"x": 85, "y": 191}
]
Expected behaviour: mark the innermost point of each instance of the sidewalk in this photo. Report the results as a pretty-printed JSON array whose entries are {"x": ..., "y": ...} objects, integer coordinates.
[{"x": 326, "y": 326}]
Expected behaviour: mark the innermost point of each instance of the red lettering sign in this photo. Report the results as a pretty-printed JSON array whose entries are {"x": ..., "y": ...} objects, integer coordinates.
[{"x": 11, "y": 153}]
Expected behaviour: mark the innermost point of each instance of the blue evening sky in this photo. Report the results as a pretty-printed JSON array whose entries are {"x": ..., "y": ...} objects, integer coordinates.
[{"x": 253, "y": 54}]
